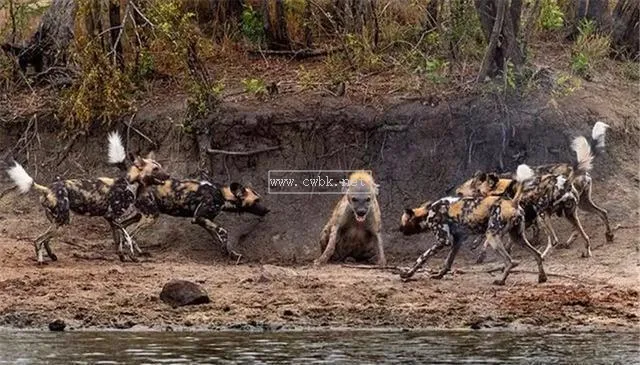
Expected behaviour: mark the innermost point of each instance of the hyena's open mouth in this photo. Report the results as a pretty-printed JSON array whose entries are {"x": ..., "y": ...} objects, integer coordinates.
[{"x": 361, "y": 218}]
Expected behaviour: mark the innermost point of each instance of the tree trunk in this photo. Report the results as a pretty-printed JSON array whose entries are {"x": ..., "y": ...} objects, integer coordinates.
[
  {"x": 49, "y": 44},
  {"x": 493, "y": 53},
  {"x": 456, "y": 14},
  {"x": 281, "y": 32},
  {"x": 308, "y": 34},
  {"x": 531, "y": 24},
  {"x": 594, "y": 10},
  {"x": 500, "y": 20},
  {"x": 115, "y": 24},
  {"x": 626, "y": 29},
  {"x": 431, "y": 19},
  {"x": 224, "y": 13}
]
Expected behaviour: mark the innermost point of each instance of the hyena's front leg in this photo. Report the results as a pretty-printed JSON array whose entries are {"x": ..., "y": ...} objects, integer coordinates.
[
  {"x": 330, "y": 249},
  {"x": 382, "y": 261}
]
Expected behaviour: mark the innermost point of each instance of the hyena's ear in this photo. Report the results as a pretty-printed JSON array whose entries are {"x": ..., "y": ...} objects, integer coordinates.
[
  {"x": 345, "y": 186},
  {"x": 151, "y": 156},
  {"x": 493, "y": 179}
]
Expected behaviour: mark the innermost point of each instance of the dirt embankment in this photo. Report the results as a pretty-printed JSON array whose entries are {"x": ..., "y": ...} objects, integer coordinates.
[{"x": 417, "y": 151}]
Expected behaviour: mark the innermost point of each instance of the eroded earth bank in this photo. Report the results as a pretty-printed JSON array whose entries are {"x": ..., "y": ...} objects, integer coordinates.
[{"x": 417, "y": 151}]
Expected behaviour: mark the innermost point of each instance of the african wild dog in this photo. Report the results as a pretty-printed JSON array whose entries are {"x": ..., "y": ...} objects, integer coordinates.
[
  {"x": 112, "y": 199},
  {"x": 200, "y": 200},
  {"x": 354, "y": 223},
  {"x": 453, "y": 218},
  {"x": 577, "y": 174}
]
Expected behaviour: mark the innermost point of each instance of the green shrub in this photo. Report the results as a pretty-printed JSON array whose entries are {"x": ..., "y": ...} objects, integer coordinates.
[
  {"x": 252, "y": 27},
  {"x": 551, "y": 16},
  {"x": 589, "y": 50}
]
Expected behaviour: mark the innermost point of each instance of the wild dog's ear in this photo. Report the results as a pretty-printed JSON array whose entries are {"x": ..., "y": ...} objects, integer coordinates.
[
  {"x": 138, "y": 162},
  {"x": 493, "y": 179},
  {"x": 477, "y": 174},
  {"x": 409, "y": 212},
  {"x": 482, "y": 176},
  {"x": 151, "y": 155},
  {"x": 236, "y": 188}
]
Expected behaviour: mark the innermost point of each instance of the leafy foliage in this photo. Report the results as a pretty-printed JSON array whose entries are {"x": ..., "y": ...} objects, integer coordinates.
[
  {"x": 589, "y": 50},
  {"x": 551, "y": 16},
  {"x": 252, "y": 25}
]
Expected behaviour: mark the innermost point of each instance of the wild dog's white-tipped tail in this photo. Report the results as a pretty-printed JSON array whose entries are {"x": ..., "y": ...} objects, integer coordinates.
[
  {"x": 598, "y": 132},
  {"x": 524, "y": 173},
  {"x": 116, "y": 153},
  {"x": 20, "y": 177},
  {"x": 583, "y": 153}
]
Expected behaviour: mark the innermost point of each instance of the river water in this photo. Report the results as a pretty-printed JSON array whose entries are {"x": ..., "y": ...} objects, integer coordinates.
[{"x": 335, "y": 347}]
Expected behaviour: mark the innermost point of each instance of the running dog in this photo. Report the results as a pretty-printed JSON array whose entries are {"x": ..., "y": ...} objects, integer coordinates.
[
  {"x": 453, "y": 218},
  {"x": 202, "y": 201},
  {"x": 113, "y": 199},
  {"x": 355, "y": 221},
  {"x": 483, "y": 184}
]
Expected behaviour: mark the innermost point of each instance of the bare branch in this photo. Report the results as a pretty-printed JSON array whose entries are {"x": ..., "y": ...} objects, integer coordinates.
[
  {"x": 493, "y": 40},
  {"x": 242, "y": 153}
]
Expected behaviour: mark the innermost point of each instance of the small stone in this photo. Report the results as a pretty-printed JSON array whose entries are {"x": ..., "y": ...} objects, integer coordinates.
[{"x": 57, "y": 326}]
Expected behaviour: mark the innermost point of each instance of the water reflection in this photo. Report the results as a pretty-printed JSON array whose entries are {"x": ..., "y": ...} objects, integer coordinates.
[{"x": 317, "y": 348}]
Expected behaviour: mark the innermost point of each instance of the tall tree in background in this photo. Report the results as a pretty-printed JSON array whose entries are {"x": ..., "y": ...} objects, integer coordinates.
[
  {"x": 48, "y": 46},
  {"x": 595, "y": 10},
  {"x": 626, "y": 29},
  {"x": 500, "y": 20}
]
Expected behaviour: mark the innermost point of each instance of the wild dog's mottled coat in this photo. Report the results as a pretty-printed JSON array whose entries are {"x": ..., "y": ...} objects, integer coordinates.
[
  {"x": 200, "y": 200},
  {"x": 110, "y": 198},
  {"x": 577, "y": 175},
  {"x": 453, "y": 218},
  {"x": 355, "y": 223}
]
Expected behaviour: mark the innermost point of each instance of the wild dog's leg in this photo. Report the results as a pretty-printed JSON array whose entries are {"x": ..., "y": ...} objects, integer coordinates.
[
  {"x": 47, "y": 248},
  {"x": 330, "y": 249},
  {"x": 544, "y": 220},
  {"x": 483, "y": 253},
  {"x": 535, "y": 228},
  {"x": 382, "y": 260},
  {"x": 442, "y": 238},
  {"x": 120, "y": 235},
  {"x": 215, "y": 231},
  {"x": 586, "y": 203},
  {"x": 509, "y": 263},
  {"x": 455, "y": 246},
  {"x": 148, "y": 221},
  {"x": 573, "y": 218},
  {"x": 126, "y": 223},
  {"x": 39, "y": 242},
  {"x": 522, "y": 239},
  {"x": 483, "y": 250}
]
